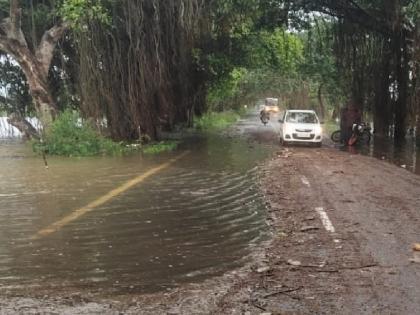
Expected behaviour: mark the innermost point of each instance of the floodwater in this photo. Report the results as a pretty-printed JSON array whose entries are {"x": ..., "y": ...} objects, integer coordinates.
[
  {"x": 405, "y": 155},
  {"x": 197, "y": 218}
]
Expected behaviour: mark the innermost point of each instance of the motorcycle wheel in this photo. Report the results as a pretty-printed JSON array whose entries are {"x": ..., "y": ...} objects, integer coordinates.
[
  {"x": 335, "y": 136},
  {"x": 365, "y": 137}
]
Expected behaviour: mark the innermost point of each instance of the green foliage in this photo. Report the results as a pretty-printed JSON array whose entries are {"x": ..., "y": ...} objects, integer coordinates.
[
  {"x": 159, "y": 147},
  {"x": 224, "y": 93},
  {"x": 69, "y": 135},
  {"x": 216, "y": 120},
  {"x": 79, "y": 12},
  {"x": 15, "y": 96},
  {"x": 277, "y": 50},
  {"x": 270, "y": 58}
]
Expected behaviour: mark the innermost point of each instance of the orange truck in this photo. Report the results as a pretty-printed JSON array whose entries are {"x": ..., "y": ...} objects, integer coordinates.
[{"x": 271, "y": 105}]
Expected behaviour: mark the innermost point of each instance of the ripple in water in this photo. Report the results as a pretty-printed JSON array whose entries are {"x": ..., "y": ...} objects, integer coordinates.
[{"x": 196, "y": 219}]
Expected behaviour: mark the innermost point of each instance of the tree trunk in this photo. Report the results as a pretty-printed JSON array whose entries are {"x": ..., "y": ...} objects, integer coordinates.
[
  {"x": 37, "y": 79},
  {"x": 416, "y": 72},
  {"x": 321, "y": 102},
  {"x": 35, "y": 64},
  {"x": 418, "y": 126},
  {"x": 382, "y": 106},
  {"x": 402, "y": 73}
]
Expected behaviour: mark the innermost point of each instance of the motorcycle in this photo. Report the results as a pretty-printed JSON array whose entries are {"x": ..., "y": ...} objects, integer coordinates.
[
  {"x": 264, "y": 117},
  {"x": 361, "y": 133}
]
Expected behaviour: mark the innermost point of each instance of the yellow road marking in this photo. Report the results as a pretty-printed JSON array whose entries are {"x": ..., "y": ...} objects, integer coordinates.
[{"x": 105, "y": 198}]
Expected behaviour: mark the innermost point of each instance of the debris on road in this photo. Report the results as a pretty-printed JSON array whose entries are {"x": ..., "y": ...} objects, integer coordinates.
[
  {"x": 309, "y": 228},
  {"x": 415, "y": 259},
  {"x": 295, "y": 263},
  {"x": 416, "y": 247},
  {"x": 263, "y": 269}
]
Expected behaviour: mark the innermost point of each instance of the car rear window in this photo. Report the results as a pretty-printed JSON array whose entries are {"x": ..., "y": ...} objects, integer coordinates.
[{"x": 301, "y": 118}]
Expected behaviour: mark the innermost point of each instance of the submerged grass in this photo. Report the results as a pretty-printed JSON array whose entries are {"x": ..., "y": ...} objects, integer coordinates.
[
  {"x": 159, "y": 147},
  {"x": 216, "y": 120},
  {"x": 70, "y": 135}
]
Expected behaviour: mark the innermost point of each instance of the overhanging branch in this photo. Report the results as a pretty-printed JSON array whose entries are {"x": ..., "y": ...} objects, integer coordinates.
[{"x": 45, "y": 50}]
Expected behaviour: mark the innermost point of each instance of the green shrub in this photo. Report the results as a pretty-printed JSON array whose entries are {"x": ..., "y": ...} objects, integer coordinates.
[
  {"x": 69, "y": 135},
  {"x": 216, "y": 120},
  {"x": 163, "y": 146}
]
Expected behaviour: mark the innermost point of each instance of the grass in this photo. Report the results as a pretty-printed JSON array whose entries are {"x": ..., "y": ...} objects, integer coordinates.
[
  {"x": 216, "y": 120},
  {"x": 159, "y": 147}
]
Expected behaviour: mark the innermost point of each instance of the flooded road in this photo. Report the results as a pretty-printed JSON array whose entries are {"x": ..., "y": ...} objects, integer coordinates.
[{"x": 198, "y": 217}]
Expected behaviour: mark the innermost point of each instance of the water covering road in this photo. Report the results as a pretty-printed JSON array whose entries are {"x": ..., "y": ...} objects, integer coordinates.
[{"x": 196, "y": 218}]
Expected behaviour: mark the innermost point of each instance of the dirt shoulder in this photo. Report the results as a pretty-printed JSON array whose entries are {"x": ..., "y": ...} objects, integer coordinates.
[
  {"x": 342, "y": 230},
  {"x": 363, "y": 265}
]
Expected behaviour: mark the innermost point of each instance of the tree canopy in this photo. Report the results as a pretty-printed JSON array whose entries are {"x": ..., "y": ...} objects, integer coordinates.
[{"x": 145, "y": 66}]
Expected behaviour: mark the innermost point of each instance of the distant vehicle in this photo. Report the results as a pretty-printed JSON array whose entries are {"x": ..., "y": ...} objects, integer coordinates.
[
  {"x": 300, "y": 126},
  {"x": 271, "y": 105}
]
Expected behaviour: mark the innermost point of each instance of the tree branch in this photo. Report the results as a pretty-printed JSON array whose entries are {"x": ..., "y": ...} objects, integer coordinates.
[
  {"x": 45, "y": 50},
  {"x": 23, "y": 126},
  {"x": 4, "y": 44},
  {"x": 12, "y": 25},
  {"x": 15, "y": 14},
  {"x": 349, "y": 10}
]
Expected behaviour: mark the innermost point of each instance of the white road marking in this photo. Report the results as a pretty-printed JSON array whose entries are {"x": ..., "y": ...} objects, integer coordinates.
[
  {"x": 305, "y": 181},
  {"x": 325, "y": 219}
]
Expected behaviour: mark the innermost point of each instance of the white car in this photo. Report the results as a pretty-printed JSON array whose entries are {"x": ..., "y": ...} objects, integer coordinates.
[{"x": 300, "y": 126}]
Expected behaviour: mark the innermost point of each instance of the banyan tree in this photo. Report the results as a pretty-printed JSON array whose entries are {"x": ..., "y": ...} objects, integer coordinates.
[
  {"x": 377, "y": 49},
  {"x": 134, "y": 70},
  {"x": 139, "y": 73}
]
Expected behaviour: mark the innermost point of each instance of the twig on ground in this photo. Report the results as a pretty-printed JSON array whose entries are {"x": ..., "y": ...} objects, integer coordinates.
[
  {"x": 283, "y": 292},
  {"x": 254, "y": 303},
  {"x": 346, "y": 268}
]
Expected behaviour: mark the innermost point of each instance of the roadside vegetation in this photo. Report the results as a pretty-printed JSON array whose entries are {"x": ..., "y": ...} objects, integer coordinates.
[
  {"x": 70, "y": 135},
  {"x": 159, "y": 147},
  {"x": 143, "y": 68},
  {"x": 213, "y": 121}
]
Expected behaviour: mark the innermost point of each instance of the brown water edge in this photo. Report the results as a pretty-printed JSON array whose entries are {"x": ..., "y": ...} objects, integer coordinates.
[{"x": 199, "y": 218}]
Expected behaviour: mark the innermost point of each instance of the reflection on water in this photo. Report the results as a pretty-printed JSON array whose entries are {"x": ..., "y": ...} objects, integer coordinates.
[
  {"x": 405, "y": 155},
  {"x": 197, "y": 218}
]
